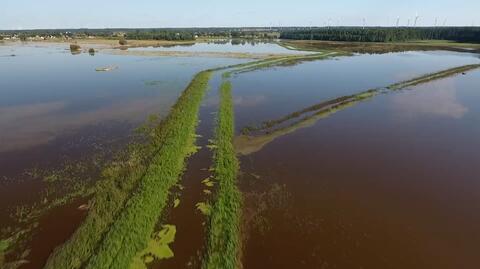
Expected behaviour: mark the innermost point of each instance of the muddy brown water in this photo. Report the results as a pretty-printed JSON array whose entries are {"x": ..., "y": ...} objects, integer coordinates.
[
  {"x": 389, "y": 183},
  {"x": 68, "y": 112},
  {"x": 357, "y": 190}
]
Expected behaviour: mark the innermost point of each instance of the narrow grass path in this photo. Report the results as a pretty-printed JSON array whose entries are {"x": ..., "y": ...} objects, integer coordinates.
[
  {"x": 131, "y": 231},
  {"x": 130, "y": 197},
  {"x": 223, "y": 243},
  {"x": 246, "y": 143}
]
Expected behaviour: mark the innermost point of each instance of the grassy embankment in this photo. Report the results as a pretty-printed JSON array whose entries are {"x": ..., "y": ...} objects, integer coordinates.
[
  {"x": 128, "y": 203},
  {"x": 106, "y": 233},
  {"x": 223, "y": 239},
  {"x": 379, "y": 47},
  {"x": 268, "y": 131},
  {"x": 131, "y": 231},
  {"x": 223, "y": 246}
]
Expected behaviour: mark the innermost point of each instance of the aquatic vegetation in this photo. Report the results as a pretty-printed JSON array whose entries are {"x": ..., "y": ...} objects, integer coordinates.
[
  {"x": 378, "y": 47},
  {"x": 157, "y": 248},
  {"x": 4, "y": 244},
  {"x": 134, "y": 192},
  {"x": 433, "y": 76},
  {"x": 208, "y": 182},
  {"x": 204, "y": 208},
  {"x": 223, "y": 242},
  {"x": 75, "y": 47},
  {"x": 281, "y": 61},
  {"x": 176, "y": 203},
  {"x": 315, "y": 108},
  {"x": 142, "y": 210},
  {"x": 246, "y": 143},
  {"x": 106, "y": 69}
]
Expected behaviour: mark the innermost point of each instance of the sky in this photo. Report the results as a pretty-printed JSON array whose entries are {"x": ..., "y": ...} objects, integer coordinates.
[{"x": 51, "y": 14}]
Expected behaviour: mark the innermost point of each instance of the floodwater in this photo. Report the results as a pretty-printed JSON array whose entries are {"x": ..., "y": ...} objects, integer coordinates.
[
  {"x": 56, "y": 109},
  {"x": 272, "y": 93},
  {"x": 389, "y": 183},
  {"x": 235, "y": 46}
]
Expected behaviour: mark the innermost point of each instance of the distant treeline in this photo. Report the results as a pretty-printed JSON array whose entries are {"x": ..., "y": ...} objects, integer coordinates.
[
  {"x": 351, "y": 34},
  {"x": 148, "y": 33},
  {"x": 384, "y": 34},
  {"x": 159, "y": 35}
]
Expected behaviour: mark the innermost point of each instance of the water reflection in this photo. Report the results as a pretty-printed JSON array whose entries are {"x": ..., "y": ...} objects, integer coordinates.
[
  {"x": 45, "y": 91},
  {"x": 434, "y": 99},
  {"x": 24, "y": 126}
]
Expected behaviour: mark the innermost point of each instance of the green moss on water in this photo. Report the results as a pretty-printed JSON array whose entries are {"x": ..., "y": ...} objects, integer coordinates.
[
  {"x": 176, "y": 203},
  {"x": 157, "y": 248},
  {"x": 204, "y": 208}
]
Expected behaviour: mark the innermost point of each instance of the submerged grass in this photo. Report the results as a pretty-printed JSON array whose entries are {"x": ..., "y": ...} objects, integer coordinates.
[
  {"x": 270, "y": 130},
  {"x": 223, "y": 242},
  {"x": 378, "y": 48},
  {"x": 130, "y": 199},
  {"x": 433, "y": 76},
  {"x": 131, "y": 231}
]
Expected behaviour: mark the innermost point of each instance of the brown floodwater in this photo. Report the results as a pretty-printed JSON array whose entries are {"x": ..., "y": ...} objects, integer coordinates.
[
  {"x": 389, "y": 183},
  {"x": 69, "y": 114}
]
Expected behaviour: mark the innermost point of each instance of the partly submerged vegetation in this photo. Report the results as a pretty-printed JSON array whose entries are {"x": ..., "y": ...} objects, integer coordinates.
[
  {"x": 120, "y": 244},
  {"x": 223, "y": 242},
  {"x": 75, "y": 47},
  {"x": 134, "y": 190},
  {"x": 379, "y": 47},
  {"x": 134, "y": 196},
  {"x": 253, "y": 138},
  {"x": 433, "y": 76}
]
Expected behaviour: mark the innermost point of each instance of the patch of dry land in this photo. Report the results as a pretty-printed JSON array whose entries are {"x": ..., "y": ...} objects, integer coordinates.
[{"x": 101, "y": 43}]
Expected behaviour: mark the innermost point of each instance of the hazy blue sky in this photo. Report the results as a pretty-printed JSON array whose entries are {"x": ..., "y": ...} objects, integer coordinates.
[{"x": 27, "y": 14}]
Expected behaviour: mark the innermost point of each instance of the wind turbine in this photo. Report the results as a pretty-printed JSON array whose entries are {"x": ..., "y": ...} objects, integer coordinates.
[
  {"x": 436, "y": 21},
  {"x": 364, "y": 23},
  {"x": 445, "y": 22},
  {"x": 408, "y": 23},
  {"x": 416, "y": 19},
  {"x": 398, "y": 21}
]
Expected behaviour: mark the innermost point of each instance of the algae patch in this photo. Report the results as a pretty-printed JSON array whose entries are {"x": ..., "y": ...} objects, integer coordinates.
[
  {"x": 204, "y": 208},
  {"x": 157, "y": 248}
]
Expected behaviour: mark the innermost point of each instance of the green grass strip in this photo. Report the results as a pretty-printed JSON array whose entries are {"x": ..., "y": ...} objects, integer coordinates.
[
  {"x": 433, "y": 76},
  {"x": 223, "y": 242},
  {"x": 131, "y": 231},
  {"x": 111, "y": 193},
  {"x": 114, "y": 239}
]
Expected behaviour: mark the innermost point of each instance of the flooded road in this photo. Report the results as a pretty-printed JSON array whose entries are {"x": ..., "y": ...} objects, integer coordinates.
[{"x": 389, "y": 183}]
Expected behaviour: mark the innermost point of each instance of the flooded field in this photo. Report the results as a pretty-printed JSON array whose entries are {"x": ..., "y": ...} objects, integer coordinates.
[
  {"x": 271, "y": 93},
  {"x": 57, "y": 110},
  {"x": 388, "y": 183},
  {"x": 227, "y": 46},
  {"x": 293, "y": 161}
]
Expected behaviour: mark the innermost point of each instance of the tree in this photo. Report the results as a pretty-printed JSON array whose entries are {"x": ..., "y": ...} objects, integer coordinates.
[{"x": 122, "y": 41}]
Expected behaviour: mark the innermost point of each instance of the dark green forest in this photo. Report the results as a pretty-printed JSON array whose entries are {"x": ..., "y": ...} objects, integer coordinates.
[{"x": 384, "y": 34}]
